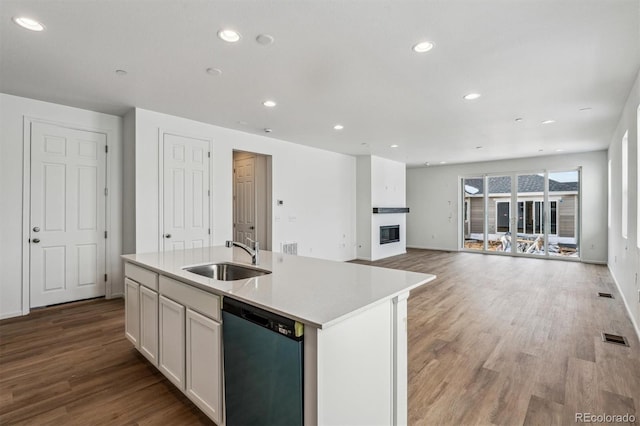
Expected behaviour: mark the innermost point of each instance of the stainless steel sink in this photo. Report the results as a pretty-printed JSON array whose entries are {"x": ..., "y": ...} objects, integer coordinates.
[{"x": 226, "y": 271}]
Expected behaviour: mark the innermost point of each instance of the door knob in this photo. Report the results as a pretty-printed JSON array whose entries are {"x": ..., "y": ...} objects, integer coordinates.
[
  {"x": 36, "y": 240},
  {"x": 252, "y": 227},
  {"x": 167, "y": 235},
  {"x": 36, "y": 229}
]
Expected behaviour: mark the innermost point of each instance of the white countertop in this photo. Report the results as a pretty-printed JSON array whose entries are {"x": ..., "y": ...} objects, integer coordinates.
[{"x": 313, "y": 291}]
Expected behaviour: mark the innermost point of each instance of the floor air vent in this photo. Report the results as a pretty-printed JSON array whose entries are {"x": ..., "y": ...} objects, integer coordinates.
[
  {"x": 607, "y": 295},
  {"x": 614, "y": 338}
]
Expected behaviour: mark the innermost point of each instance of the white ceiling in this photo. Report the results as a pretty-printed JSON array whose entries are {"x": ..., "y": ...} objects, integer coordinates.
[{"x": 347, "y": 62}]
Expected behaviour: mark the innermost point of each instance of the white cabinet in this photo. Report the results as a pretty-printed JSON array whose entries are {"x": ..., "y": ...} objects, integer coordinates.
[
  {"x": 176, "y": 327},
  {"x": 172, "y": 349},
  {"x": 204, "y": 357},
  {"x": 132, "y": 311},
  {"x": 149, "y": 324}
]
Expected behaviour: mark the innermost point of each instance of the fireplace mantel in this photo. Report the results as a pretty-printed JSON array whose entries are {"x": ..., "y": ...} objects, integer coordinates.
[{"x": 391, "y": 209}]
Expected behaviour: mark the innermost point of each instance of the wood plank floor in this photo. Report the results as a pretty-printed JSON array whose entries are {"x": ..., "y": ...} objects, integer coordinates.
[
  {"x": 512, "y": 341},
  {"x": 494, "y": 340}
]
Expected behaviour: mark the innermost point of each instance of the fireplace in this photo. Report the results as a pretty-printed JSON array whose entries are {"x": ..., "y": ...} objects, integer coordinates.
[{"x": 389, "y": 234}]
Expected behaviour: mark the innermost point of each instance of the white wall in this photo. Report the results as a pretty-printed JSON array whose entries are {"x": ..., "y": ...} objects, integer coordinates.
[
  {"x": 317, "y": 187},
  {"x": 381, "y": 183},
  {"x": 13, "y": 111},
  {"x": 433, "y": 195},
  {"x": 388, "y": 189},
  {"x": 624, "y": 255},
  {"x": 363, "y": 207}
]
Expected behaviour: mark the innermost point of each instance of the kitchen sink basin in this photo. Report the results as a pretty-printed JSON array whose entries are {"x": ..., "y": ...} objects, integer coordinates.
[{"x": 226, "y": 271}]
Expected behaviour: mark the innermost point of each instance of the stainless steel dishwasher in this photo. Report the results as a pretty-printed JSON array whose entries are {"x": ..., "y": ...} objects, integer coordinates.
[{"x": 263, "y": 366}]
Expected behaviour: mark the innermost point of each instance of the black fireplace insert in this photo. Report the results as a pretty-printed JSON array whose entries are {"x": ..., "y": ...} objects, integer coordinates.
[{"x": 389, "y": 234}]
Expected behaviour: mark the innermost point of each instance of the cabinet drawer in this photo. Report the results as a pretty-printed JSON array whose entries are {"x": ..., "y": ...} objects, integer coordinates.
[
  {"x": 206, "y": 303},
  {"x": 141, "y": 275}
]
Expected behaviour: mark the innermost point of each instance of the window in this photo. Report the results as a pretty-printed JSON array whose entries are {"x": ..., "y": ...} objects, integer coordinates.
[
  {"x": 532, "y": 214},
  {"x": 625, "y": 184}
]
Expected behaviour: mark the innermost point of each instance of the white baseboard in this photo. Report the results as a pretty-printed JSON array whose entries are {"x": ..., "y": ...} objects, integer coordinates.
[
  {"x": 432, "y": 248},
  {"x": 7, "y": 315},
  {"x": 117, "y": 295},
  {"x": 626, "y": 305},
  {"x": 595, "y": 262},
  {"x": 367, "y": 259}
]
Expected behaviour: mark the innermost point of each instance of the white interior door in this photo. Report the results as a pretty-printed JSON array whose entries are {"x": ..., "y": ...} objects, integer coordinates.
[
  {"x": 185, "y": 193},
  {"x": 244, "y": 199},
  {"x": 67, "y": 240}
]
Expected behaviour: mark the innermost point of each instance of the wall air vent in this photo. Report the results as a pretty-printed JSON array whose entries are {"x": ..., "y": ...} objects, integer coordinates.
[{"x": 606, "y": 295}]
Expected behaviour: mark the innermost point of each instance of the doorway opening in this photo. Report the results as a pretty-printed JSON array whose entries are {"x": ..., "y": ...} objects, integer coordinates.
[{"x": 252, "y": 198}]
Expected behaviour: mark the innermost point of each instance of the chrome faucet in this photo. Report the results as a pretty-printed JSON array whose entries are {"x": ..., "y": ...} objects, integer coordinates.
[{"x": 253, "y": 252}]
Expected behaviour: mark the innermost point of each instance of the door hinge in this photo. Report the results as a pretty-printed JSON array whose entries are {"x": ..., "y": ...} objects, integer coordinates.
[
  {"x": 209, "y": 154},
  {"x": 208, "y": 193},
  {"x": 106, "y": 149},
  {"x": 105, "y": 277},
  {"x": 209, "y": 231},
  {"x": 105, "y": 234},
  {"x": 106, "y": 192}
]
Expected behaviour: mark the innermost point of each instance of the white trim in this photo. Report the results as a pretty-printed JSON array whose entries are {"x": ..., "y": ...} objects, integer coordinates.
[
  {"x": 26, "y": 212},
  {"x": 438, "y": 249},
  {"x": 27, "y": 122},
  {"x": 626, "y": 305},
  {"x": 7, "y": 315}
]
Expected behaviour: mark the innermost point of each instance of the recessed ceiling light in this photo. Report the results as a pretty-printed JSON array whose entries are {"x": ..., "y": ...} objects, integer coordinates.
[
  {"x": 264, "y": 39},
  {"x": 394, "y": 145},
  {"x": 548, "y": 121},
  {"x": 443, "y": 162},
  {"x": 559, "y": 150},
  {"x": 230, "y": 36},
  {"x": 471, "y": 96},
  {"x": 121, "y": 72},
  {"x": 214, "y": 71},
  {"x": 28, "y": 23},
  {"x": 585, "y": 109},
  {"x": 269, "y": 104},
  {"x": 427, "y": 164},
  {"x": 338, "y": 127},
  {"x": 540, "y": 150},
  {"x": 268, "y": 130},
  {"x": 519, "y": 119},
  {"x": 423, "y": 47},
  {"x": 479, "y": 147}
]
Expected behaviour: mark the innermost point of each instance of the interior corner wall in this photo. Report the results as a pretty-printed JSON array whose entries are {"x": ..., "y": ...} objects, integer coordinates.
[
  {"x": 13, "y": 111},
  {"x": 433, "y": 194},
  {"x": 317, "y": 187},
  {"x": 624, "y": 254},
  {"x": 128, "y": 190},
  {"x": 363, "y": 207}
]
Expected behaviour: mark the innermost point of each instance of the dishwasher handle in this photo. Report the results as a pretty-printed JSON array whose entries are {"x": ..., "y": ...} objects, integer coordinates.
[
  {"x": 263, "y": 318},
  {"x": 255, "y": 318}
]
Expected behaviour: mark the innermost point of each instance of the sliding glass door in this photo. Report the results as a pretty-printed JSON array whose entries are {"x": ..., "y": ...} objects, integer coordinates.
[{"x": 527, "y": 214}]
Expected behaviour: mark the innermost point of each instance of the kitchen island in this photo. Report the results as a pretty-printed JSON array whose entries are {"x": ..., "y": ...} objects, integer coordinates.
[{"x": 354, "y": 316}]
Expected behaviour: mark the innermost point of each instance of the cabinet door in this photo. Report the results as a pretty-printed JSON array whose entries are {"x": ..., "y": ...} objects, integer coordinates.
[
  {"x": 132, "y": 311},
  {"x": 149, "y": 324},
  {"x": 171, "y": 356},
  {"x": 204, "y": 375}
]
